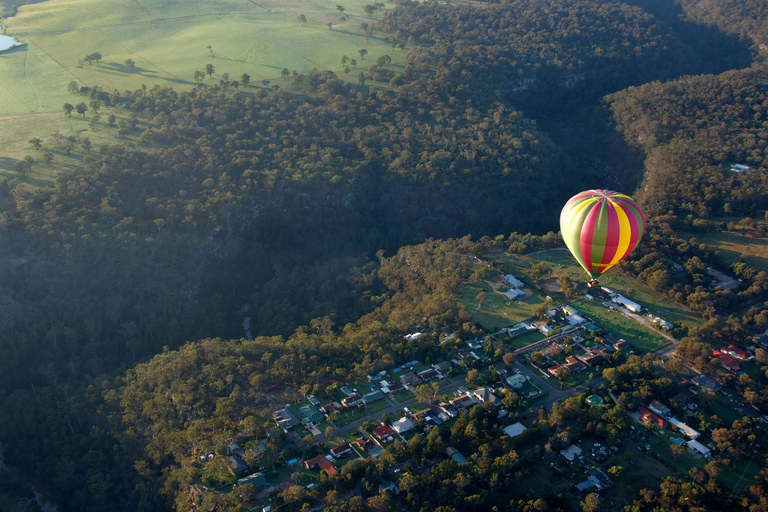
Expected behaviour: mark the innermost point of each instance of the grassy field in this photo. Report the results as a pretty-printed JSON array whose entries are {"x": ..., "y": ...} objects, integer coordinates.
[
  {"x": 639, "y": 336},
  {"x": 169, "y": 41},
  {"x": 494, "y": 312},
  {"x": 732, "y": 245}
]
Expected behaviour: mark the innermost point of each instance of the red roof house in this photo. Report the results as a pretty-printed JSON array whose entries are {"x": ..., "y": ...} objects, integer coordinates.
[
  {"x": 727, "y": 361},
  {"x": 738, "y": 353},
  {"x": 650, "y": 417},
  {"x": 321, "y": 461},
  {"x": 383, "y": 432}
]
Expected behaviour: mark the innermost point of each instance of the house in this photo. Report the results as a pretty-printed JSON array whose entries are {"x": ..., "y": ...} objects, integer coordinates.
[
  {"x": 412, "y": 337},
  {"x": 234, "y": 448},
  {"x": 341, "y": 450},
  {"x": 649, "y": 417},
  {"x": 364, "y": 443},
  {"x": 571, "y": 452},
  {"x": 236, "y": 464},
  {"x": 727, "y": 361},
  {"x": 575, "y": 319},
  {"x": 597, "y": 479},
  {"x": 484, "y": 394},
  {"x": 402, "y": 425},
  {"x": 622, "y": 345},
  {"x": 553, "y": 369},
  {"x": 307, "y": 414},
  {"x": 545, "y": 329},
  {"x": 449, "y": 411},
  {"x": 630, "y": 305},
  {"x": 409, "y": 379},
  {"x": 695, "y": 445},
  {"x": 685, "y": 429},
  {"x": 574, "y": 365},
  {"x": 322, "y": 462},
  {"x": 515, "y": 294},
  {"x": 257, "y": 479},
  {"x": 428, "y": 375},
  {"x": 707, "y": 382},
  {"x": 443, "y": 367},
  {"x": 313, "y": 401},
  {"x": 329, "y": 408},
  {"x": 738, "y": 353},
  {"x": 285, "y": 419},
  {"x": 513, "y": 282},
  {"x": 591, "y": 358},
  {"x": 516, "y": 380},
  {"x": 570, "y": 310},
  {"x": 761, "y": 340},
  {"x": 462, "y": 402},
  {"x": 554, "y": 349},
  {"x": 659, "y": 408},
  {"x": 514, "y": 430},
  {"x": 352, "y": 400},
  {"x": 373, "y": 396},
  {"x": 455, "y": 455},
  {"x": 739, "y": 168},
  {"x": 663, "y": 323},
  {"x": 383, "y": 432}
]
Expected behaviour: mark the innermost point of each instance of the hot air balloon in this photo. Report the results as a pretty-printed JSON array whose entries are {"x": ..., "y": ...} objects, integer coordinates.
[{"x": 601, "y": 228}]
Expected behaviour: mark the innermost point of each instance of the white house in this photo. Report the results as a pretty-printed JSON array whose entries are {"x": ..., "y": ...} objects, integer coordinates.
[
  {"x": 402, "y": 425},
  {"x": 630, "y": 305},
  {"x": 695, "y": 445},
  {"x": 515, "y": 294},
  {"x": 514, "y": 430},
  {"x": 513, "y": 281}
]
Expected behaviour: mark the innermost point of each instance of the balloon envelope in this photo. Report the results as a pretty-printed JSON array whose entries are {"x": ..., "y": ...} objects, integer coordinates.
[{"x": 601, "y": 228}]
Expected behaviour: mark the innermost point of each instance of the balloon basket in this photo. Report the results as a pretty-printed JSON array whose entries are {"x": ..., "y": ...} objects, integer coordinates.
[{"x": 593, "y": 283}]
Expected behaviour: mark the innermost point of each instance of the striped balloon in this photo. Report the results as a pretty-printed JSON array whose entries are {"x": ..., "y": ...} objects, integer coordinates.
[{"x": 601, "y": 228}]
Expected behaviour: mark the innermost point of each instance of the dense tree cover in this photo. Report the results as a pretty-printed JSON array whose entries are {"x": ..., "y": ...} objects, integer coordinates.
[
  {"x": 692, "y": 129},
  {"x": 747, "y": 18}
]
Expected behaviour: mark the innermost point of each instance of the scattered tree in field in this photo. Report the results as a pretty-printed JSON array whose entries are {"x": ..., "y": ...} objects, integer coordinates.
[
  {"x": 73, "y": 87},
  {"x": 245, "y": 79},
  {"x": 383, "y": 61},
  {"x": 199, "y": 76},
  {"x": 210, "y": 52},
  {"x": 344, "y": 60},
  {"x": 94, "y": 57},
  {"x": 87, "y": 144},
  {"x": 112, "y": 120},
  {"x": 58, "y": 139},
  {"x": 361, "y": 78},
  {"x": 37, "y": 143},
  {"x": 95, "y": 105},
  {"x": 95, "y": 118},
  {"x": 47, "y": 158},
  {"x": 368, "y": 33},
  {"x": 235, "y": 84},
  {"x": 284, "y": 73},
  {"x": 81, "y": 108},
  {"x": 130, "y": 65},
  {"x": 369, "y": 9},
  {"x": 68, "y": 108},
  {"x": 363, "y": 52},
  {"x": 354, "y": 63},
  {"x": 392, "y": 41},
  {"x": 340, "y": 8},
  {"x": 209, "y": 70},
  {"x": 24, "y": 165},
  {"x": 330, "y": 26},
  {"x": 266, "y": 83},
  {"x": 302, "y": 19},
  {"x": 71, "y": 139}
]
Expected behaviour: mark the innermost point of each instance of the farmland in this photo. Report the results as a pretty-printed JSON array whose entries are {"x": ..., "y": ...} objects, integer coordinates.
[{"x": 168, "y": 42}]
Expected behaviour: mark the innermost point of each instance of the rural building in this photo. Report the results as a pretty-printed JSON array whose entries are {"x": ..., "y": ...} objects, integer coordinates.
[
  {"x": 516, "y": 381},
  {"x": 514, "y": 430},
  {"x": 257, "y": 479},
  {"x": 727, "y": 361},
  {"x": 738, "y": 353},
  {"x": 659, "y": 408},
  {"x": 597, "y": 479},
  {"x": 545, "y": 330},
  {"x": 413, "y": 336},
  {"x": 352, "y": 400},
  {"x": 383, "y": 432},
  {"x": 571, "y": 452},
  {"x": 663, "y": 323},
  {"x": 322, "y": 462},
  {"x": 513, "y": 282},
  {"x": 428, "y": 375},
  {"x": 630, "y": 305},
  {"x": 622, "y": 345},
  {"x": 515, "y": 294},
  {"x": 455, "y": 455},
  {"x": 285, "y": 419},
  {"x": 570, "y": 310},
  {"x": 707, "y": 382},
  {"x": 484, "y": 394},
  {"x": 575, "y": 319},
  {"x": 608, "y": 291},
  {"x": 341, "y": 450},
  {"x": 650, "y": 417},
  {"x": 402, "y": 425},
  {"x": 685, "y": 429},
  {"x": 236, "y": 464},
  {"x": 695, "y": 445}
]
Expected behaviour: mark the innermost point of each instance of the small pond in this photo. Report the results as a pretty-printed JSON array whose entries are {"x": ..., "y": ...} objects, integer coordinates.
[{"x": 7, "y": 42}]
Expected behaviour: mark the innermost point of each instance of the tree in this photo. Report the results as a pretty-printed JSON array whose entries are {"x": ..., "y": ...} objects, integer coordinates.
[
  {"x": 677, "y": 450},
  {"x": 344, "y": 60},
  {"x": 245, "y": 79},
  {"x": 73, "y": 87},
  {"x": 199, "y": 76},
  {"x": 537, "y": 358},
  {"x": 340, "y": 9},
  {"x": 68, "y": 108},
  {"x": 363, "y": 52},
  {"x": 509, "y": 359},
  {"x": 383, "y": 60},
  {"x": 472, "y": 376},
  {"x": 302, "y": 19},
  {"x": 81, "y": 108},
  {"x": 354, "y": 63},
  {"x": 330, "y": 26},
  {"x": 211, "y": 54},
  {"x": 47, "y": 158},
  {"x": 24, "y": 165},
  {"x": 87, "y": 144},
  {"x": 391, "y": 41},
  {"x": 591, "y": 503},
  {"x": 209, "y": 70},
  {"x": 95, "y": 105},
  {"x": 130, "y": 65},
  {"x": 284, "y": 73},
  {"x": 329, "y": 432},
  {"x": 37, "y": 143},
  {"x": 95, "y": 118},
  {"x": 361, "y": 78},
  {"x": 563, "y": 373}
]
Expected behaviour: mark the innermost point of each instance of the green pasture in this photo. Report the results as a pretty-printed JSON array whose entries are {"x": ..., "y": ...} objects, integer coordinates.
[
  {"x": 168, "y": 41},
  {"x": 639, "y": 336},
  {"x": 402, "y": 396},
  {"x": 732, "y": 246},
  {"x": 526, "y": 339},
  {"x": 494, "y": 312}
]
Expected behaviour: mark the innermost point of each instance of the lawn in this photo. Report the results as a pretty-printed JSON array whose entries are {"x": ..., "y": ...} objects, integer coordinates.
[
  {"x": 168, "y": 41},
  {"x": 349, "y": 415},
  {"x": 377, "y": 406},
  {"x": 494, "y": 312},
  {"x": 403, "y": 396},
  {"x": 641, "y": 337},
  {"x": 526, "y": 339},
  {"x": 731, "y": 246}
]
